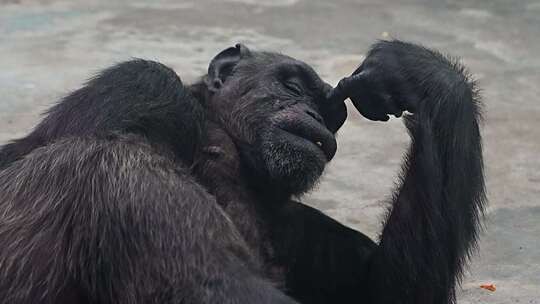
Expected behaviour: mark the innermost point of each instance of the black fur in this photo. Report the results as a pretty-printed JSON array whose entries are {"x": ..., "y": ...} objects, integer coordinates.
[
  {"x": 138, "y": 189},
  {"x": 432, "y": 224},
  {"x": 138, "y": 96}
]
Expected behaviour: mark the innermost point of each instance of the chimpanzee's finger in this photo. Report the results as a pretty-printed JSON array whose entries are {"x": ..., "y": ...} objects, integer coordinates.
[
  {"x": 345, "y": 88},
  {"x": 371, "y": 105},
  {"x": 390, "y": 105}
]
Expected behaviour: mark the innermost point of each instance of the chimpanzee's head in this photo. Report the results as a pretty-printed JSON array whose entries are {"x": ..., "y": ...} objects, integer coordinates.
[{"x": 275, "y": 109}]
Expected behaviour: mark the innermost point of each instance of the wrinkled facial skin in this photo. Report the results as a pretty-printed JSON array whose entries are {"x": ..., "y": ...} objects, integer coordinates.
[{"x": 274, "y": 108}]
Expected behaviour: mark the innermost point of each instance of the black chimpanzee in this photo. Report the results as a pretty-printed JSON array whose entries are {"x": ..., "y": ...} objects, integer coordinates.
[{"x": 139, "y": 189}]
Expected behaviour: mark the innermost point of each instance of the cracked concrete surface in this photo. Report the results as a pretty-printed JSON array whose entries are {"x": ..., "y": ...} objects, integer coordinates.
[{"x": 48, "y": 48}]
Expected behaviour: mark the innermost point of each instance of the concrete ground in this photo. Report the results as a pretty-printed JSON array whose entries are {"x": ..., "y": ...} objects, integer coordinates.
[{"x": 48, "y": 48}]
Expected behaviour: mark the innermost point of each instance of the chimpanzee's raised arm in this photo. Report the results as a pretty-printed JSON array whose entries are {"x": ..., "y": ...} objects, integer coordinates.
[{"x": 434, "y": 221}]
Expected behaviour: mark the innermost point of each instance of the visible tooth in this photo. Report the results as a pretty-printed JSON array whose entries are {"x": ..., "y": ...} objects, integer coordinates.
[{"x": 318, "y": 143}]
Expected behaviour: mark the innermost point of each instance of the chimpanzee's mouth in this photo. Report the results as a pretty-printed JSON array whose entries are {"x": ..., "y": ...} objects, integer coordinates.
[
  {"x": 313, "y": 133},
  {"x": 326, "y": 149}
]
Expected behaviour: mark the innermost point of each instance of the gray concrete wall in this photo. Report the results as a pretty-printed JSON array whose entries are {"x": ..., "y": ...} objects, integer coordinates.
[{"x": 48, "y": 48}]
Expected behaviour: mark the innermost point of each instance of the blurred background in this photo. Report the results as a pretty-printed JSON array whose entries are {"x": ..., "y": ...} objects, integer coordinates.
[{"x": 48, "y": 48}]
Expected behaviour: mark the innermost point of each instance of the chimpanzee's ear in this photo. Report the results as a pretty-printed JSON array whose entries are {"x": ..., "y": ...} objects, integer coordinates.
[{"x": 223, "y": 64}]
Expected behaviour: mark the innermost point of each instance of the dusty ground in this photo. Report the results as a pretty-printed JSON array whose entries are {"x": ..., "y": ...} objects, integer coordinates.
[{"x": 48, "y": 48}]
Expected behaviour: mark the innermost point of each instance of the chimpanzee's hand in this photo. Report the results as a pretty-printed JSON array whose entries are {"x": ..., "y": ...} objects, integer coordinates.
[{"x": 386, "y": 82}]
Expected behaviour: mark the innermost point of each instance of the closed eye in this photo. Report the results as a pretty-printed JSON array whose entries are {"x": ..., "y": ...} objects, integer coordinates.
[{"x": 294, "y": 87}]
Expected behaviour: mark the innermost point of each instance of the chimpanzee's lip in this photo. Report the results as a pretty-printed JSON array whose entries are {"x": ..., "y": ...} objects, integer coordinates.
[
  {"x": 318, "y": 145},
  {"x": 313, "y": 132}
]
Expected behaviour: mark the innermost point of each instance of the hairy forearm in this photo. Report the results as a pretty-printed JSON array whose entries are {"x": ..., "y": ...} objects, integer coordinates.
[{"x": 433, "y": 224}]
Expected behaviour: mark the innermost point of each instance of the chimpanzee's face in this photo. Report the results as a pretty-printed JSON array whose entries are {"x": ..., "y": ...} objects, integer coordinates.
[{"x": 273, "y": 107}]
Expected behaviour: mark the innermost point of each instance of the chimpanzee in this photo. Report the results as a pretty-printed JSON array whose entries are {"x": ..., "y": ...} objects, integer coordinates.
[{"x": 137, "y": 188}]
